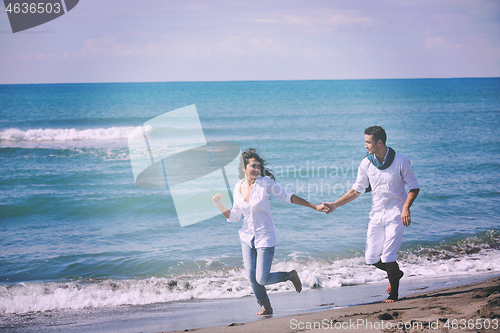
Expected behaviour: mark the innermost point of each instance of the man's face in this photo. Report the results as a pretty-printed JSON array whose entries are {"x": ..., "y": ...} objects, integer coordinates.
[{"x": 373, "y": 148}]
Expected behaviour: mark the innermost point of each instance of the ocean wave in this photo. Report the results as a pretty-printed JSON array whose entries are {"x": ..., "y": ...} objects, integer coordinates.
[
  {"x": 65, "y": 134},
  {"x": 471, "y": 256}
]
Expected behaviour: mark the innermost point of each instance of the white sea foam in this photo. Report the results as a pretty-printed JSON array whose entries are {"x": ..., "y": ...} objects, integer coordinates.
[
  {"x": 231, "y": 283},
  {"x": 65, "y": 134}
]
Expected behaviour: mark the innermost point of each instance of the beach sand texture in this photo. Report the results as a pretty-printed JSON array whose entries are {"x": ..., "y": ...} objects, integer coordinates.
[{"x": 468, "y": 308}]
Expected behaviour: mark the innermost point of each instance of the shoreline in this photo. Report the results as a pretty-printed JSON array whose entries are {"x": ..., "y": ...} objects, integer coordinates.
[
  {"x": 463, "y": 308},
  {"x": 422, "y": 301}
]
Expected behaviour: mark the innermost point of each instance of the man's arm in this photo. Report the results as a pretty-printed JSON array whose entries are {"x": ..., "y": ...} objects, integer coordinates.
[
  {"x": 346, "y": 198},
  {"x": 405, "y": 214}
]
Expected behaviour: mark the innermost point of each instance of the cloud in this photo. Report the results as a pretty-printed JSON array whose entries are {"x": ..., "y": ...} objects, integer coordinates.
[
  {"x": 227, "y": 48},
  {"x": 439, "y": 43},
  {"x": 325, "y": 19},
  {"x": 103, "y": 48},
  {"x": 94, "y": 48},
  {"x": 321, "y": 55},
  {"x": 32, "y": 56},
  {"x": 261, "y": 42},
  {"x": 343, "y": 20},
  {"x": 181, "y": 6}
]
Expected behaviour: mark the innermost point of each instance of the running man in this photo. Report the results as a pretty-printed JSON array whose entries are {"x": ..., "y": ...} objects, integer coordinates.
[{"x": 385, "y": 173}]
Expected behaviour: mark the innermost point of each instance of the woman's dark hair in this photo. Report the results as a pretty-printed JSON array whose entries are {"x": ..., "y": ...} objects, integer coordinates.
[{"x": 252, "y": 153}]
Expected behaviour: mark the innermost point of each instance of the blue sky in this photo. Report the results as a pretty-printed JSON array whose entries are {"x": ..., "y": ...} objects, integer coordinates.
[{"x": 160, "y": 40}]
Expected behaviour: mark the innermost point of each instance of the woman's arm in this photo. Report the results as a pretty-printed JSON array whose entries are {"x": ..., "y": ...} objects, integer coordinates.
[
  {"x": 217, "y": 199},
  {"x": 299, "y": 201},
  {"x": 283, "y": 194}
]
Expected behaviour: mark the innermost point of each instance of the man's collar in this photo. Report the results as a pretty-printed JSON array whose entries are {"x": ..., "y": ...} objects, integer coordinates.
[{"x": 385, "y": 157}]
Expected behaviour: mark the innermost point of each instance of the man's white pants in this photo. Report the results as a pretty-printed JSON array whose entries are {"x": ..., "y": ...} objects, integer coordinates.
[{"x": 383, "y": 240}]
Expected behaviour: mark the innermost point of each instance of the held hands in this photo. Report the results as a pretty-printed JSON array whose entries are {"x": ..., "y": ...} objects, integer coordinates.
[
  {"x": 322, "y": 208},
  {"x": 329, "y": 206}
]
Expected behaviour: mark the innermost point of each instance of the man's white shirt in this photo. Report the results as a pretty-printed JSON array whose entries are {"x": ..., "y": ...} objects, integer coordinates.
[{"x": 388, "y": 186}]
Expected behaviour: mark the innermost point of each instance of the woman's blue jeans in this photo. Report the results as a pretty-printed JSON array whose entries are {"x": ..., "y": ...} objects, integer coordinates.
[{"x": 257, "y": 264}]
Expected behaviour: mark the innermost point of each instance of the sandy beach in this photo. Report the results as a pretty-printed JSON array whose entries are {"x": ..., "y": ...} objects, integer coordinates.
[{"x": 472, "y": 307}]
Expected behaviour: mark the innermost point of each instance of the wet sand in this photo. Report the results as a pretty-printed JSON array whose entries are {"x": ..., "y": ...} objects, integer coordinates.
[{"x": 467, "y": 308}]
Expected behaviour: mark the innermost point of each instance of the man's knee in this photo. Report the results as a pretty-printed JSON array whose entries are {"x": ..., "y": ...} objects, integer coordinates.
[
  {"x": 372, "y": 259},
  {"x": 390, "y": 257}
]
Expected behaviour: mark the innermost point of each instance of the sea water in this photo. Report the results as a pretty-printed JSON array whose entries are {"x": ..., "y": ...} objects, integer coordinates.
[{"x": 77, "y": 232}]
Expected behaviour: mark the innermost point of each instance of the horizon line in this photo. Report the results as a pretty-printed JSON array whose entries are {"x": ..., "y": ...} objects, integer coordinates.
[{"x": 275, "y": 80}]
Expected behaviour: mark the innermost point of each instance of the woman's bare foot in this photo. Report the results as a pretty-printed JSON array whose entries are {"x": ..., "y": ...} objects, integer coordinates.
[
  {"x": 268, "y": 310},
  {"x": 294, "y": 277},
  {"x": 389, "y": 285},
  {"x": 265, "y": 312}
]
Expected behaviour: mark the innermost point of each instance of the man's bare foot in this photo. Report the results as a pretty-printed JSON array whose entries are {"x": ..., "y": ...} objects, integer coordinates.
[
  {"x": 389, "y": 285},
  {"x": 294, "y": 277},
  {"x": 391, "y": 299}
]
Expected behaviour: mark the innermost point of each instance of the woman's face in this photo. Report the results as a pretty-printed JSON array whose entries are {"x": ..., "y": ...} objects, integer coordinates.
[{"x": 252, "y": 169}]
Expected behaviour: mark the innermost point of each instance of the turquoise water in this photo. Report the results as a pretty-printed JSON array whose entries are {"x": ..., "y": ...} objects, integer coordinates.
[{"x": 74, "y": 226}]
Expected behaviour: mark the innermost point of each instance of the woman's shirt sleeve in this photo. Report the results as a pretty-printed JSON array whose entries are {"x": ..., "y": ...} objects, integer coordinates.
[
  {"x": 235, "y": 214},
  {"x": 276, "y": 189},
  {"x": 236, "y": 211}
]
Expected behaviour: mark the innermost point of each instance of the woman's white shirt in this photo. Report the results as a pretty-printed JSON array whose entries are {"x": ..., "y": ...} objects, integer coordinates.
[{"x": 258, "y": 221}]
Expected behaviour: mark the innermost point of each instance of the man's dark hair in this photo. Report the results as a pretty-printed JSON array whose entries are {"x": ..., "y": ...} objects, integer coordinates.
[{"x": 377, "y": 132}]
